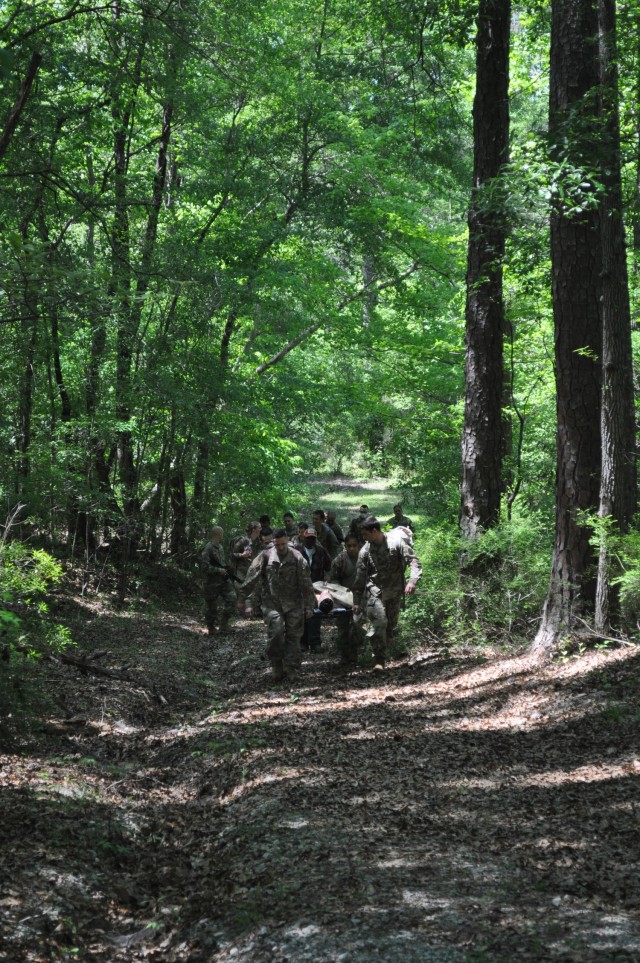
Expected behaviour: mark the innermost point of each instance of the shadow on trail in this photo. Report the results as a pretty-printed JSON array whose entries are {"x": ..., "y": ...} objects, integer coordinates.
[{"x": 415, "y": 816}]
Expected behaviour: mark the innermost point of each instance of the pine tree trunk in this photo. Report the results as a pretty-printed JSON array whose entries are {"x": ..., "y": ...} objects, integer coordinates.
[
  {"x": 482, "y": 441},
  {"x": 576, "y": 259},
  {"x": 618, "y": 480}
]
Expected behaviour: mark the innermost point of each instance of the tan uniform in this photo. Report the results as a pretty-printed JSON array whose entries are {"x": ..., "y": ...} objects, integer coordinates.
[
  {"x": 218, "y": 590},
  {"x": 283, "y": 589},
  {"x": 379, "y": 584}
]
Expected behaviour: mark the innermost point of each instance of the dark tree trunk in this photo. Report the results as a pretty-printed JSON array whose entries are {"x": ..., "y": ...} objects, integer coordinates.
[
  {"x": 576, "y": 284},
  {"x": 482, "y": 440},
  {"x": 618, "y": 480},
  {"x": 15, "y": 113},
  {"x": 177, "y": 487}
]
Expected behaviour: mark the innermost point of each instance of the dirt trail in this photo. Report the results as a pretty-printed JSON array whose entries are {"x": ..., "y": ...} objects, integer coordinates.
[{"x": 451, "y": 809}]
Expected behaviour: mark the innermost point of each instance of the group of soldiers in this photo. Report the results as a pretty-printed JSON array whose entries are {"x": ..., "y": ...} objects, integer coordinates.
[{"x": 281, "y": 573}]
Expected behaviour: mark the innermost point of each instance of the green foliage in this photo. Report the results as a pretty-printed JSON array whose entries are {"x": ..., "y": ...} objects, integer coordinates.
[
  {"x": 625, "y": 549},
  {"x": 486, "y": 592},
  {"x": 313, "y": 168},
  {"x": 26, "y": 575}
]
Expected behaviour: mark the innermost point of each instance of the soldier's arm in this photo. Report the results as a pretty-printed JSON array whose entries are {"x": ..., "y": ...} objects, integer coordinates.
[
  {"x": 335, "y": 573},
  {"x": 415, "y": 568},
  {"x": 326, "y": 559},
  {"x": 361, "y": 579},
  {"x": 308, "y": 595},
  {"x": 252, "y": 579},
  {"x": 211, "y": 563}
]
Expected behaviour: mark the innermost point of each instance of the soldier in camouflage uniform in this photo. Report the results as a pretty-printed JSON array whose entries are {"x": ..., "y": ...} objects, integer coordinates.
[
  {"x": 380, "y": 583},
  {"x": 290, "y": 526},
  {"x": 355, "y": 526},
  {"x": 326, "y": 537},
  {"x": 298, "y": 541},
  {"x": 343, "y": 571},
  {"x": 279, "y": 578},
  {"x": 334, "y": 526},
  {"x": 244, "y": 550},
  {"x": 399, "y": 519},
  {"x": 218, "y": 590}
]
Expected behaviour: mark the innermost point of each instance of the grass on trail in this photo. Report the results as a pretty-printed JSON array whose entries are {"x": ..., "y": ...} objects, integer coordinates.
[{"x": 345, "y": 495}]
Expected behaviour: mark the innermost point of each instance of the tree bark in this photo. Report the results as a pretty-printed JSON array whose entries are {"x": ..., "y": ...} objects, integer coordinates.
[
  {"x": 482, "y": 439},
  {"x": 13, "y": 117},
  {"x": 618, "y": 478},
  {"x": 576, "y": 260}
]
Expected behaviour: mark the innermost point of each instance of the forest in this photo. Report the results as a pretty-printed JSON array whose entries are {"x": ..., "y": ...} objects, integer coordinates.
[
  {"x": 245, "y": 245},
  {"x": 268, "y": 257}
]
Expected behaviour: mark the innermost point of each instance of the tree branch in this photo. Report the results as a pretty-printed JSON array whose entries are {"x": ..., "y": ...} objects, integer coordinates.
[
  {"x": 365, "y": 291},
  {"x": 16, "y": 110}
]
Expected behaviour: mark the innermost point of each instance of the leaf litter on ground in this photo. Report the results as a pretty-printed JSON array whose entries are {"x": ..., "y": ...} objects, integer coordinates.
[{"x": 465, "y": 808}]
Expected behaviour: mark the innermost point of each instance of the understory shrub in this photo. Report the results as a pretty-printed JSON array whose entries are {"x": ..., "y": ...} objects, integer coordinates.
[
  {"x": 488, "y": 591},
  {"x": 627, "y": 560},
  {"x": 27, "y": 633}
]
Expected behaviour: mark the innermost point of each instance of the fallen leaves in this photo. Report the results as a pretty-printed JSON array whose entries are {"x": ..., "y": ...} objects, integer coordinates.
[{"x": 196, "y": 811}]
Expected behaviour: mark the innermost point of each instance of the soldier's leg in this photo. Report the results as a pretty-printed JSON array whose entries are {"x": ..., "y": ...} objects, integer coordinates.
[
  {"x": 294, "y": 622},
  {"x": 378, "y": 618},
  {"x": 313, "y": 626},
  {"x": 228, "y": 601},
  {"x": 211, "y": 606},
  {"x": 275, "y": 624},
  {"x": 356, "y": 638},
  {"x": 343, "y": 626},
  {"x": 392, "y": 608}
]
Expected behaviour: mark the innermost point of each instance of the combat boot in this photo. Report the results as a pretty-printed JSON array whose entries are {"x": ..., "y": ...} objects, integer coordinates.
[{"x": 277, "y": 670}]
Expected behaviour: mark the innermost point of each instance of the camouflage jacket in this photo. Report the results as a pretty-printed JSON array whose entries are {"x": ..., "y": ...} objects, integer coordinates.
[
  {"x": 337, "y": 530},
  {"x": 283, "y": 584},
  {"x": 292, "y": 532},
  {"x": 403, "y": 520},
  {"x": 384, "y": 565},
  {"x": 329, "y": 540},
  {"x": 214, "y": 564},
  {"x": 343, "y": 570}
]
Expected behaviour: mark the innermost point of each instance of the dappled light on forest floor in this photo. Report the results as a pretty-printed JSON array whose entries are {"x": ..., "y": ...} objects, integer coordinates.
[{"x": 456, "y": 807}]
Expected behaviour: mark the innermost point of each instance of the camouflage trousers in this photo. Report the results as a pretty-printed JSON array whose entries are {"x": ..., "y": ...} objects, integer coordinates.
[
  {"x": 349, "y": 638},
  {"x": 284, "y": 630},
  {"x": 383, "y": 616},
  {"x": 220, "y": 602}
]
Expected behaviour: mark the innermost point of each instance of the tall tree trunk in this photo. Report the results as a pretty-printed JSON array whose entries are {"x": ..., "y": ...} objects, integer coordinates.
[
  {"x": 121, "y": 272},
  {"x": 25, "y": 403},
  {"x": 482, "y": 439},
  {"x": 15, "y": 113},
  {"x": 618, "y": 478},
  {"x": 178, "y": 494},
  {"x": 576, "y": 260}
]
